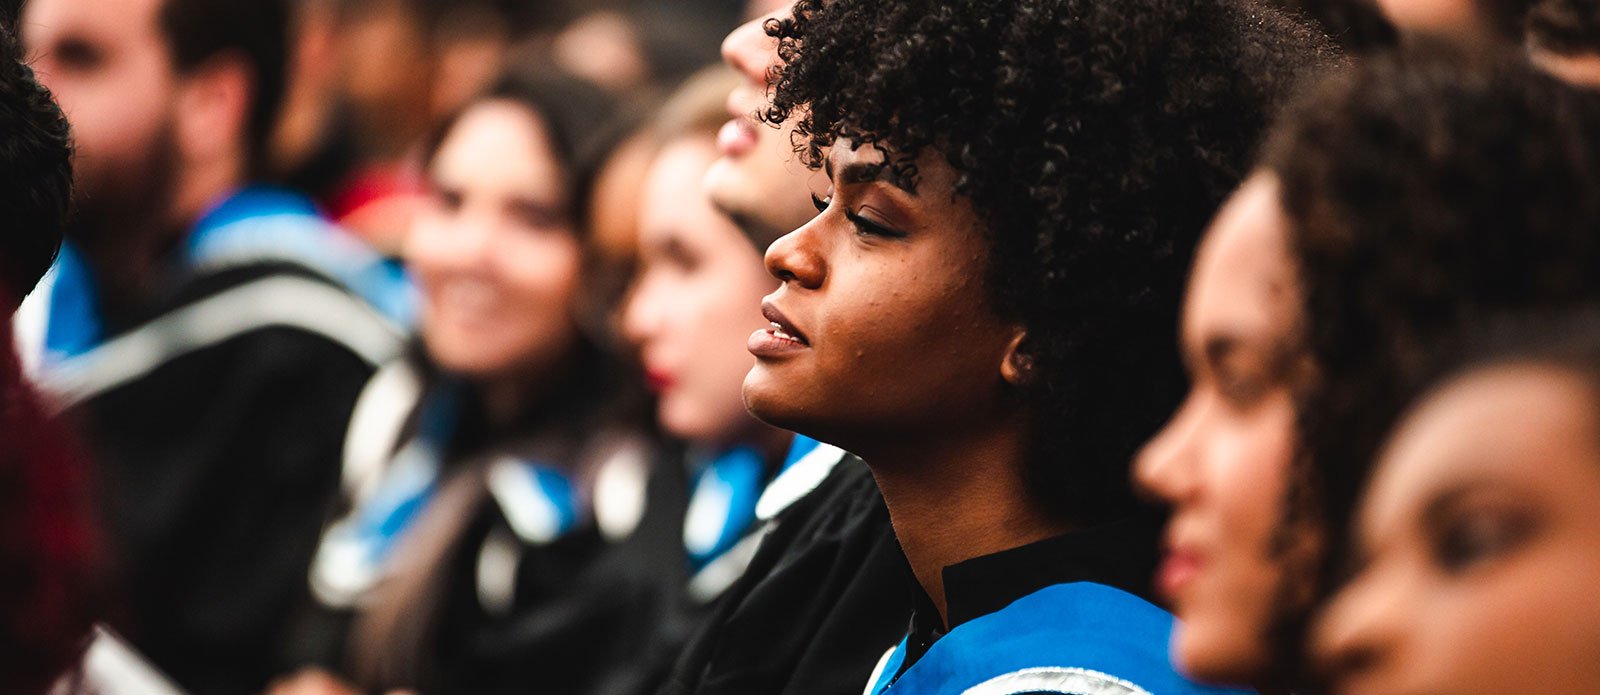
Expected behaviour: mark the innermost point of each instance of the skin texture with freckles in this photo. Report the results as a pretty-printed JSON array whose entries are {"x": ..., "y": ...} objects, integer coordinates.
[
  {"x": 899, "y": 329},
  {"x": 1222, "y": 462},
  {"x": 496, "y": 259},
  {"x": 905, "y": 361},
  {"x": 1479, "y": 541}
]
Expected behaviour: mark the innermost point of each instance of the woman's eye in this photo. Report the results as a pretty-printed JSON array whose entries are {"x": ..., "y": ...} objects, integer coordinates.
[
  {"x": 447, "y": 199},
  {"x": 1477, "y": 537},
  {"x": 866, "y": 227},
  {"x": 821, "y": 203}
]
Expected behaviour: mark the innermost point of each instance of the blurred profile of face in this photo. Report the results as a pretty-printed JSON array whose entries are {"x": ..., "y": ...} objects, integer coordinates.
[
  {"x": 882, "y": 328},
  {"x": 1478, "y": 545},
  {"x": 696, "y": 300},
  {"x": 1222, "y": 462},
  {"x": 108, "y": 65},
  {"x": 757, "y": 180},
  {"x": 494, "y": 248}
]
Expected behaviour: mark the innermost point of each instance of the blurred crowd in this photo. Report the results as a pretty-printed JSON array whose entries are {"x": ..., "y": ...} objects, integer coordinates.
[{"x": 799, "y": 347}]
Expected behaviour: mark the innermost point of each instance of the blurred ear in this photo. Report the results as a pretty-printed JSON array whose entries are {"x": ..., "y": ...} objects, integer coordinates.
[
  {"x": 214, "y": 110},
  {"x": 1016, "y": 366}
]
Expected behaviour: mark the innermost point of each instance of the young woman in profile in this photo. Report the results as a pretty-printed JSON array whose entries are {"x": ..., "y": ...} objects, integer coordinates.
[
  {"x": 1392, "y": 202},
  {"x": 510, "y": 526},
  {"x": 979, "y": 310},
  {"x": 1478, "y": 538}
]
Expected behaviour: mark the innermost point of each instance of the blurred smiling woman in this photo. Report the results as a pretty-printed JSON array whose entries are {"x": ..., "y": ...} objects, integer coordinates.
[{"x": 509, "y": 527}]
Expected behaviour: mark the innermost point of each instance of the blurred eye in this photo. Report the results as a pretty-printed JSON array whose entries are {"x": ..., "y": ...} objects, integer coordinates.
[
  {"x": 1474, "y": 537},
  {"x": 76, "y": 54},
  {"x": 447, "y": 199}
]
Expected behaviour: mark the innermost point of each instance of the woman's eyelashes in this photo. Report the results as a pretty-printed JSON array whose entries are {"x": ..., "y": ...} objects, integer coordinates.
[{"x": 864, "y": 226}]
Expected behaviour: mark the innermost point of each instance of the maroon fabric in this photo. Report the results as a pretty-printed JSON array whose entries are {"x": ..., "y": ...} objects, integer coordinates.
[{"x": 47, "y": 547}]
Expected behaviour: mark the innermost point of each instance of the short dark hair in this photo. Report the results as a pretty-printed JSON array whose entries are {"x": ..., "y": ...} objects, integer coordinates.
[
  {"x": 1095, "y": 139},
  {"x": 35, "y": 173},
  {"x": 1425, "y": 190},
  {"x": 256, "y": 31}
]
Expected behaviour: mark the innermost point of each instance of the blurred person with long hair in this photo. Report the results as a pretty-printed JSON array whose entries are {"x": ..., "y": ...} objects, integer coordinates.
[
  {"x": 511, "y": 525},
  {"x": 1393, "y": 202}
]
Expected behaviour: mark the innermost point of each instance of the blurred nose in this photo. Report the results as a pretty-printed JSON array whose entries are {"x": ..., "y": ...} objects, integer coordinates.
[
  {"x": 1165, "y": 467},
  {"x": 797, "y": 258},
  {"x": 749, "y": 50},
  {"x": 1362, "y": 628},
  {"x": 641, "y": 315}
]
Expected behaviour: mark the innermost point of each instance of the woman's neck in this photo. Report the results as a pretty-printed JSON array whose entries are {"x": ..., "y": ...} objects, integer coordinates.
[{"x": 959, "y": 497}]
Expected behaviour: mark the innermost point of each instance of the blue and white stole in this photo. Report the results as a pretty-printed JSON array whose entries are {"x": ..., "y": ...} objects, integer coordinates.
[
  {"x": 1079, "y": 638},
  {"x": 538, "y": 500},
  {"x": 254, "y": 224}
]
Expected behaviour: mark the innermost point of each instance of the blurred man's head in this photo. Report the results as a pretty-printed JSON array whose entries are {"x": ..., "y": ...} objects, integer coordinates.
[
  {"x": 35, "y": 174},
  {"x": 756, "y": 179},
  {"x": 171, "y": 100}
]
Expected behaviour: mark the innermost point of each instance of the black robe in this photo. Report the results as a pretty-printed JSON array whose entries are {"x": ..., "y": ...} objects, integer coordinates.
[{"x": 822, "y": 601}]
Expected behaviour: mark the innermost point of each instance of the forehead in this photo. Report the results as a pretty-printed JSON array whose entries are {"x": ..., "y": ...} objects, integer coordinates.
[
  {"x": 1509, "y": 423},
  {"x": 499, "y": 144},
  {"x": 848, "y": 163},
  {"x": 1244, "y": 279},
  {"x": 107, "y": 21}
]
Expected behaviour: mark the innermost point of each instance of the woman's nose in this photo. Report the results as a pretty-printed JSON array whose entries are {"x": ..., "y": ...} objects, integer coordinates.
[{"x": 798, "y": 257}]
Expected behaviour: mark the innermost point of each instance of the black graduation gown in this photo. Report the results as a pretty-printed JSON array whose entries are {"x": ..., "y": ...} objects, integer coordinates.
[
  {"x": 215, "y": 430},
  {"x": 823, "y": 599}
]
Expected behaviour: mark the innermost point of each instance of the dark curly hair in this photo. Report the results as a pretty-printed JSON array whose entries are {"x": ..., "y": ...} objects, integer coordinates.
[
  {"x": 35, "y": 173},
  {"x": 1095, "y": 139},
  {"x": 1426, "y": 190}
]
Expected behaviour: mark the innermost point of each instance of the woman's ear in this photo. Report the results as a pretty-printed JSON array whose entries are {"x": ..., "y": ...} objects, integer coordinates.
[{"x": 1016, "y": 366}]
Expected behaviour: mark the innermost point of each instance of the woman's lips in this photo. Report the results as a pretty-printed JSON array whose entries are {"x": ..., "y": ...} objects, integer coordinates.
[
  {"x": 658, "y": 381},
  {"x": 736, "y": 138},
  {"x": 1178, "y": 569},
  {"x": 780, "y": 337}
]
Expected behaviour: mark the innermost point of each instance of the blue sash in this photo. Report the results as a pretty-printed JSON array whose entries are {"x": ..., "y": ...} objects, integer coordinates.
[
  {"x": 254, "y": 224},
  {"x": 1080, "y": 638}
]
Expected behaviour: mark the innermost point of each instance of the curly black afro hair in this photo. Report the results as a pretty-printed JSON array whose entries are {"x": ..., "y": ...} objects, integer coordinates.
[
  {"x": 1426, "y": 191},
  {"x": 1096, "y": 139}
]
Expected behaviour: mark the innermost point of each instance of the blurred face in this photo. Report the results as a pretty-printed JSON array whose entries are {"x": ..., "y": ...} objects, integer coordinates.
[
  {"x": 757, "y": 180},
  {"x": 1222, "y": 461},
  {"x": 882, "y": 327},
  {"x": 696, "y": 300},
  {"x": 1479, "y": 543},
  {"x": 494, "y": 250},
  {"x": 106, "y": 62},
  {"x": 1456, "y": 19}
]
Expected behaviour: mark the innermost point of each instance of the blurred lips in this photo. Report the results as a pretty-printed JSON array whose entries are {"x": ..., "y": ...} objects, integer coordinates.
[
  {"x": 1179, "y": 568},
  {"x": 658, "y": 380},
  {"x": 738, "y": 136}
]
